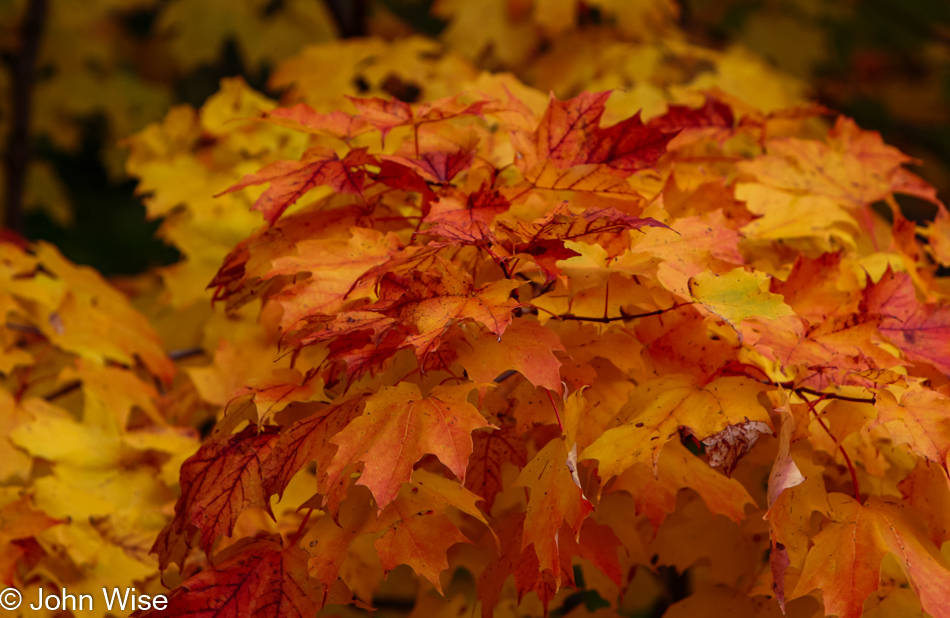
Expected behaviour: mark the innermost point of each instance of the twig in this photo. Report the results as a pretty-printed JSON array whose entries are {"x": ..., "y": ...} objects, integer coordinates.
[
  {"x": 65, "y": 389},
  {"x": 811, "y": 391},
  {"x": 618, "y": 318},
  {"x": 184, "y": 353}
]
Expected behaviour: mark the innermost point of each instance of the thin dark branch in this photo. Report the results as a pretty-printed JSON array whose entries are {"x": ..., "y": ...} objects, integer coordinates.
[
  {"x": 741, "y": 369},
  {"x": 619, "y": 318},
  {"x": 184, "y": 353},
  {"x": 65, "y": 389},
  {"x": 811, "y": 391},
  {"x": 22, "y": 74},
  {"x": 24, "y": 328},
  {"x": 504, "y": 375}
]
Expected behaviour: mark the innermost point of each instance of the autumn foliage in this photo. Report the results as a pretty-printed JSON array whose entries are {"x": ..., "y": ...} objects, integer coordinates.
[{"x": 496, "y": 352}]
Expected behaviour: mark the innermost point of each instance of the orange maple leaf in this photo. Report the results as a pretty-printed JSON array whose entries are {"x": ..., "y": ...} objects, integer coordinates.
[
  {"x": 415, "y": 528},
  {"x": 398, "y": 427},
  {"x": 554, "y": 500},
  {"x": 845, "y": 562},
  {"x": 416, "y": 310}
]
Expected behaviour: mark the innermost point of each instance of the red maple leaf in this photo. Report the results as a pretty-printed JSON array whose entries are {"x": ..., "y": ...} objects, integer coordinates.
[
  {"x": 254, "y": 577},
  {"x": 570, "y": 134},
  {"x": 291, "y": 180},
  {"x": 224, "y": 478}
]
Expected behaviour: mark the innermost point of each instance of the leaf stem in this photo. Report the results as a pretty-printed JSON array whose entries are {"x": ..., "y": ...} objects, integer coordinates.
[
  {"x": 299, "y": 533},
  {"x": 556, "y": 413},
  {"x": 854, "y": 476}
]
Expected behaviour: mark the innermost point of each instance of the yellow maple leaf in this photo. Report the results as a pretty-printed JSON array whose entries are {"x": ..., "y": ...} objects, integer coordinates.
[{"x": 738, "y": 295}]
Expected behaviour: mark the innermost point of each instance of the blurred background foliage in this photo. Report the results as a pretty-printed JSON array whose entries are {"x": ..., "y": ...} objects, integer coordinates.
[
  {"x": 886, "y": 63},
  {"x": 79, "y": 78}
]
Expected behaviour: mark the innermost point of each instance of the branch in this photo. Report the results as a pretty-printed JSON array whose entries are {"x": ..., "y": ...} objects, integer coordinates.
[
  {"x": 619, "y": 318},
  {"x": 65, "y": 389},
  {"x": 741, "y": 369},
  {"x": 803, "y": 389},
  {"x": 177, "y": 355},
  {"x": 22, "y": 70}
]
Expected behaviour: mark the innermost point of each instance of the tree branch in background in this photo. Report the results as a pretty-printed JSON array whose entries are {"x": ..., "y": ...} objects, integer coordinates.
[
  {"x": 22, "y": 73},
  {"x": 350, "y": 16}
]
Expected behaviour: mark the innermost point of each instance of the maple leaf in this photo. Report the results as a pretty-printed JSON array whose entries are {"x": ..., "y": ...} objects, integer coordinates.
[
  {"x": 335, "y": 266},
  {"x": 845, "y": 562},
  {"x": 738, "y": 295},
  {"x": 328, "y": 541},
  {"x": 19, "y": 521},
  {"x": 692, "y": 245},
  {"x": 526, "y": 347},
  {"x": 439, "y": 166},
  {"x": 491, "y": 451},
  {"x": 398, "y": 427},
  {"x": 399, "y": 176},
  {"x": 727, "y": 447},
  {"x": 569, "y": 134},
  {"x": 655, "y": 496},
  {"x": 758, "y": 281},
  {"x": 596, "y": 543},
  {"x": 467, "y": 222},
  {"x": 811, "y": 289},
  {"x": 303, "y": 117},
  {"x": 493, "y": 27},
  {"x": 922, "y": 330},
  {"x": 593, "y": 178},
  {"x": 918, "y": 418},
  {"x": 308, "y": 440},
  {"x": 520, "y": 561},
  {"x": 925, "y": 489},
  {"x": 785, "y": 473},
  {"x": 79, "y": 312},
  {"x": 658, "y": 408},
  {"x": 386, "y": 115},
  {"x": 713, "y": 113},
  {"x": 543, "y": 239},
  {"x": 562, "y": 224},
  {"x": 554, "y": 499},
  {"x": 217, "y": 483},
  {"x": 255, "y": 576},
  {"x": 420, "y": 307},
  {"x": 855, "y": 170},
  {"x": 291, "y": 180},
  {"x": 846, "y": 339},
  {"x": 415, "y": 528}
]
